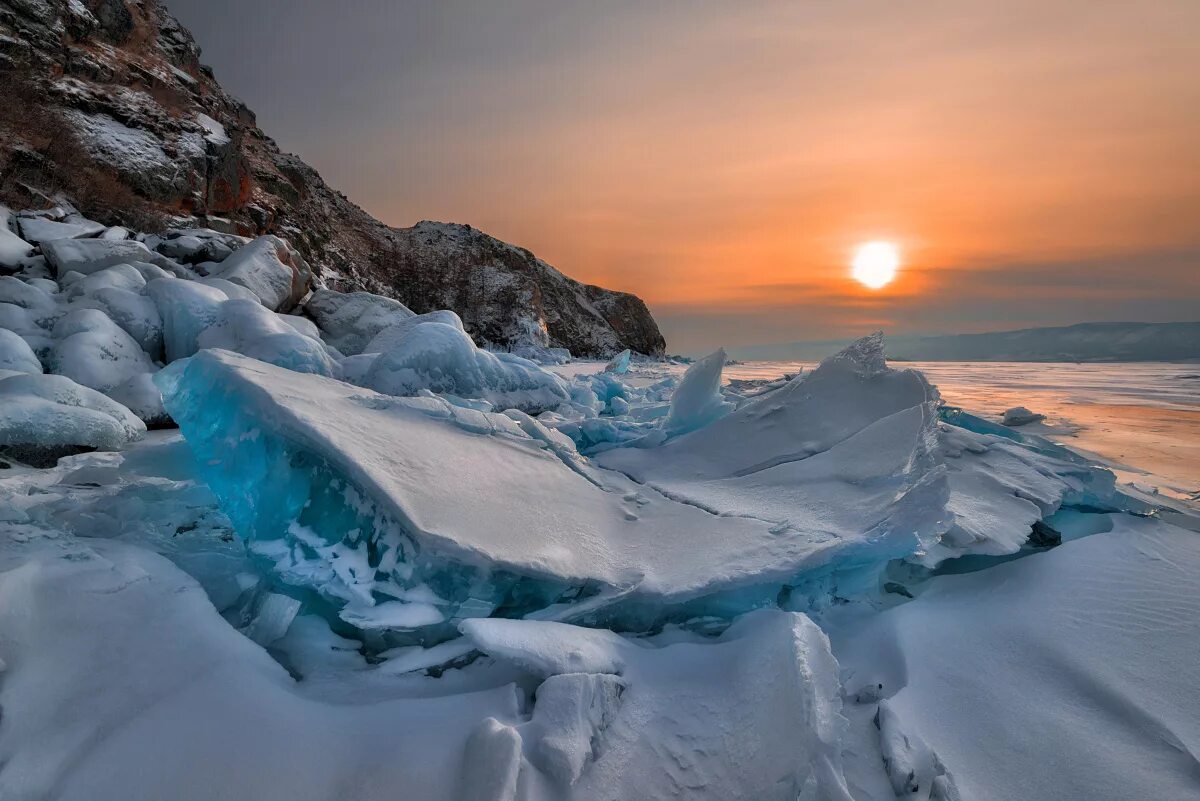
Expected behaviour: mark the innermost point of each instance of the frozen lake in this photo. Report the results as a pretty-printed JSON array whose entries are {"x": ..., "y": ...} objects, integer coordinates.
[{"x": 1140, "y": 418}]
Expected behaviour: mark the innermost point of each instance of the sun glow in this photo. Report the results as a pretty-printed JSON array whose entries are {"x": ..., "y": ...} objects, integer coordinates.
[{"x": 875, "y": 264}]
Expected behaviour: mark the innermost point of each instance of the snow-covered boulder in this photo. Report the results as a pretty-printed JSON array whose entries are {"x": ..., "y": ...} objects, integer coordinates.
[
  {"x": 392, "y": 336},
  {"x": 88, "y": 256},
  {"x": 27, "y": 296},
  {"x": 349, "y": 320},
  {"x": 94, "y": 351},
  {"x": 1020, "y": 416},
  {"x": 13, "y": 249},
  {"x": 186, "y": 309},
  {"x": 246, "y": 327},
  {"x": 43, "y": 417},
  {"x": 118, "y": 276},
  {"x": 28, "y": 325},
  {"x": 196, "y": 245},
  {"x": 141, "y": 396},
  {"x": 16, "y": 355},
  {"x": 232, "y": 291},
  {"x": 136, "y": 313},
  {"x": 442, "y": 359},
  {"x": 41, "y": 230},
  {"x": 268, "y": 267}
]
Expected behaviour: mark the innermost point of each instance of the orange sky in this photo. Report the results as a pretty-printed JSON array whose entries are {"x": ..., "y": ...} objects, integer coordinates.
[{"x": 1038, "y": 163}]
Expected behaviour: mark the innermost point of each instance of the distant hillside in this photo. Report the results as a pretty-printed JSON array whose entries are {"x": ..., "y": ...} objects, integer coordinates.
[{"x": 1085, "y": 342}]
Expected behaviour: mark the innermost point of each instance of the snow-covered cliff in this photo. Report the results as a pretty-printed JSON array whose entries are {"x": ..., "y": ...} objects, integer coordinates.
[{"x": 107, "y": 103}]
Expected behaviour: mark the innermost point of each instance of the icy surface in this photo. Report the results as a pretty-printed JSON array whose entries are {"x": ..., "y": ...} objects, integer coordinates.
[
  {"x": 441, "y": 358},
  {"x": 697, "y": 401},
  {"x": 616, "y": 718},
  {"x": 544, "y": 581}
]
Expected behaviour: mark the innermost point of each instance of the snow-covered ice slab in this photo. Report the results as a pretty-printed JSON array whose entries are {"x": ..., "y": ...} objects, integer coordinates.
[
  {"x": 123, "y": 682},
  {"x": 1066, "y": 674},
  {"x": 373, "y": 499},
  {"x": 856, "y": 445},
  {"x": 754, "y": 714}
]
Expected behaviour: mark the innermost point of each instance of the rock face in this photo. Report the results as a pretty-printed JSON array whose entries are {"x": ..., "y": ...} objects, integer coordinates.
[{"x": 107, "y": 103}]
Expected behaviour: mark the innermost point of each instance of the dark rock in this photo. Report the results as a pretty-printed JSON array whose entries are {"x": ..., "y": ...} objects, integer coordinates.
[{"x": 1044, "y": 536}]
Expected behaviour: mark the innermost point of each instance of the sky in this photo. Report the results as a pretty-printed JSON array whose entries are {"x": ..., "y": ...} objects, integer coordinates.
[{"x": 1036, "y": 163}]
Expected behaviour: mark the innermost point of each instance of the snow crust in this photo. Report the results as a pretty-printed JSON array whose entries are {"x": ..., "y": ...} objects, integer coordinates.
[{"x": 1067, "y": 674}]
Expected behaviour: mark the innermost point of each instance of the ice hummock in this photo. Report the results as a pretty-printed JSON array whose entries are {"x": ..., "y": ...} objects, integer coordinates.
[{"x": 368, "y": 499}]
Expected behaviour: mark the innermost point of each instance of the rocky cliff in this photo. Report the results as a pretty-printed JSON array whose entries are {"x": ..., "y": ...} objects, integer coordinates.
[{"x": 107, "y": 103}]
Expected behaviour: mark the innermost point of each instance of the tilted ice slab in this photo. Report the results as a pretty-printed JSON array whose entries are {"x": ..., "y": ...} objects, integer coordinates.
[
  {"x": 380, "y": 502},
  {"x": 829, "y": 449},
  {"x": 824, "y": 455}
]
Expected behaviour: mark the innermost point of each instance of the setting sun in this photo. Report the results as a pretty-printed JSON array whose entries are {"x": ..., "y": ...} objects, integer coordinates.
[{"x": 875, "y": 264}]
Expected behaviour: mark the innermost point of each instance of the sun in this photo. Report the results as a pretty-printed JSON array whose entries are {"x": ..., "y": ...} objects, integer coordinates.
[{"x": 875, "y": 264}]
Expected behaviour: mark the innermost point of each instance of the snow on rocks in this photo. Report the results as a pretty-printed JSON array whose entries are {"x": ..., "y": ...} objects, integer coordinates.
[
  {"x": 43, "y": 417},
  {"x": 266, "y": 266},
  {"x": 350, "y": 320},
  {"x": 246, "y": 327},
  {"x": 195, "y": 245},
  {"x": 13, "y": 249},
  {"x": 40, "y": 230},
  {"x": 20, "y": 293},
  {"x": 136, "y": 313},
  {"x": 140, "y": 395},
  {"x": 395, "y": 334},
  {"x": 186, "y": 309},
  {"x": 16, "y": 355},
  {"x": 29, "y": 325},
  {"x": 1020, "y": 416},
  {"x": 88, "y": 256},
  {"x": 94, "y": 351}
]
